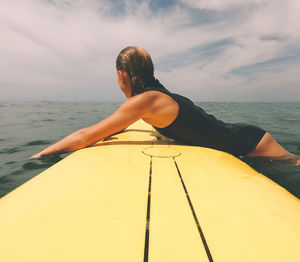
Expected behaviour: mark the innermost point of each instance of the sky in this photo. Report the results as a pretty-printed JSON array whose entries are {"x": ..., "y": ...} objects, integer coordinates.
[{"x": 207, "y": 50}]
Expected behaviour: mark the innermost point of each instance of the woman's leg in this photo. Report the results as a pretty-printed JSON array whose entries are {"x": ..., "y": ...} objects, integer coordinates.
[{"x": 268, "y": 147}]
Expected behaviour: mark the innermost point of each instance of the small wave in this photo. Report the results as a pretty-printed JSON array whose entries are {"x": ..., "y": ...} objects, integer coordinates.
[
  {"x": 10, "y": 163},
  {"x": 38, "y": 142},
  {"x": 42, "y": 163},
  {"x": 10, "y": 150},
  {"x": 5, "y": 179},
  {"x": 48, "y": 120},
  {"x": 33, "y": 166},
  {"x": 15, "y": 173}
]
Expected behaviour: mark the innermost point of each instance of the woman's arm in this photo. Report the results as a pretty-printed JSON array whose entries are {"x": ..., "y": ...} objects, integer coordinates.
[{"x": 129, "y": 112}]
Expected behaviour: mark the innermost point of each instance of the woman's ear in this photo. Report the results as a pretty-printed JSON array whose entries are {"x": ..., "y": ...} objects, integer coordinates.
[
  {"x": 119, "y": 74},
  {"x": 123, "y": 76},
  {"x": 124, "y": 82}
]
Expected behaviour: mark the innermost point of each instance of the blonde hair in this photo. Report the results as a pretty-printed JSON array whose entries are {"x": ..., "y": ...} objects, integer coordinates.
[{"x": 137, "y": 63}]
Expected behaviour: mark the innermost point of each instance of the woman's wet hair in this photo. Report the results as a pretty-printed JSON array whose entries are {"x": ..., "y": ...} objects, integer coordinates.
[{"x": 137, "y": 63}]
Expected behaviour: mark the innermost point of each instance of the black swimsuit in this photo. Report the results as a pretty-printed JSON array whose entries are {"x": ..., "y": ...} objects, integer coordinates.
[{"x": 194, "y": 126}]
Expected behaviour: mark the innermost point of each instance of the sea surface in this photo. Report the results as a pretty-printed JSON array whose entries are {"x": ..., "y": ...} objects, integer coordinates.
[{"x": 28, "y": 127}]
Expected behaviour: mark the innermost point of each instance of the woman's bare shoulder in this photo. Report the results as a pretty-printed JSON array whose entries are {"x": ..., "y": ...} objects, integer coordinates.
[
  {"x": 150, "y": 101},
  {"x": 144, "y": 99},
  {"x": 153, "y": 95}
]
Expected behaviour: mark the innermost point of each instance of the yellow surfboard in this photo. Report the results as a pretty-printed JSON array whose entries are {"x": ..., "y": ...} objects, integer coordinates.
[{"x": 138, "y": 196}]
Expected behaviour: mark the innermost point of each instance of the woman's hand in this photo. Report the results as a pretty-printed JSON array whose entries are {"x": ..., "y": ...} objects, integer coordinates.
[{"x": 38, "y": 155}]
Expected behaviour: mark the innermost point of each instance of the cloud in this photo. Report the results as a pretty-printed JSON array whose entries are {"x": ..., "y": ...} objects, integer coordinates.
[
  {"x": 208, "y": 50},
  {"x": 222, "y": 5},
  {"x": 274, "y": 37}
]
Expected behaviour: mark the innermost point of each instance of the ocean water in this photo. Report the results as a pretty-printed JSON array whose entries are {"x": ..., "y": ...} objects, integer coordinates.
[{"x": 28, "y": 127}]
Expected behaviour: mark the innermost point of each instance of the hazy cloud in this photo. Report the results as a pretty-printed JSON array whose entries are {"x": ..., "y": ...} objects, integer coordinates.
[
  {"x": 207, "y": 50},
  {"x": 222, "y": 5}
]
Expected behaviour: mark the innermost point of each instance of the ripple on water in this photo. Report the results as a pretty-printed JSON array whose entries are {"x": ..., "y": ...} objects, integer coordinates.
[
  {"x": 42, "y": 163},
  {"x": 5, "y": 179},
  {"x": 38, "y": 142},
  {"x": 294, "y": 177},
  {"x": 48, "y": 120},
  {"x": 15, "y": 173},
  {"x": 11, "y": 150},
  {"x": 33, "y": 166},
  {"x": 10, "y": 163}
]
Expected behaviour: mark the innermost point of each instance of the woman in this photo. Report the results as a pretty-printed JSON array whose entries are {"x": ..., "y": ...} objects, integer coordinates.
[{"x": 172, "y": 115}]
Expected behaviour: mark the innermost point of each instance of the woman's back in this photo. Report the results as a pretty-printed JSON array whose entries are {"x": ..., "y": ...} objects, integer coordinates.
[{"x": 195, "y": 127}]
